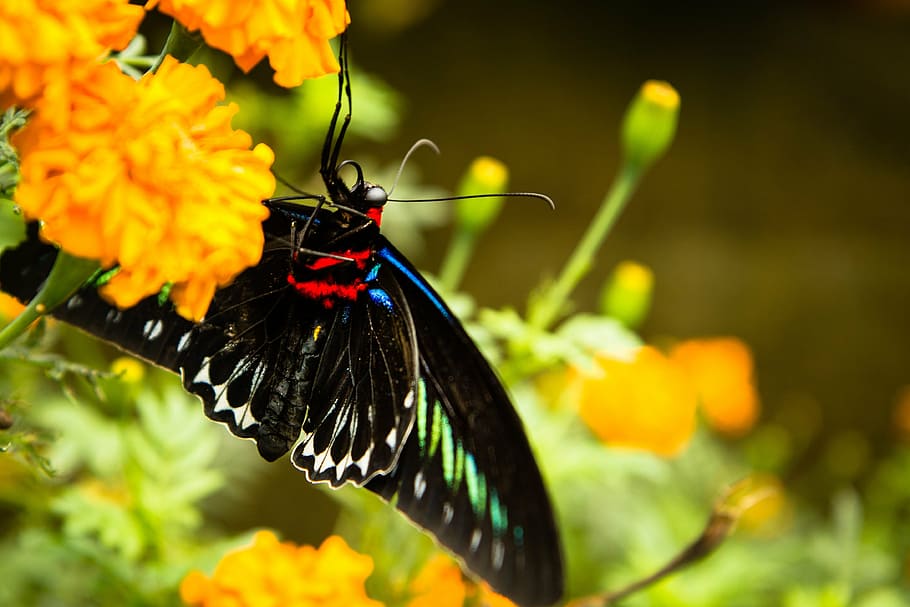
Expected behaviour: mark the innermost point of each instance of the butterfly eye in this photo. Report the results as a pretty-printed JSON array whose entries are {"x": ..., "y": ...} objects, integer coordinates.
[{"x": 375, "y": 196}]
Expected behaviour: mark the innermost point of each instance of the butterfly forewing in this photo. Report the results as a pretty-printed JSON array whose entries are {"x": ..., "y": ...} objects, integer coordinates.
[{"x": 467, "y": 473}]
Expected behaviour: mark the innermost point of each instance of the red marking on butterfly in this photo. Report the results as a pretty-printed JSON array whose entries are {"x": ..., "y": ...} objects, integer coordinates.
[
  {"x": 375, "y": 214},
  {"x": 360, "y": 258},
  {"x": 326, "y": 291}
]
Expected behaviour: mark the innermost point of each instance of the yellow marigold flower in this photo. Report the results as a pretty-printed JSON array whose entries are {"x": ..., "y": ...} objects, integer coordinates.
[
  {"x": 647, "y": 403},
  {"x": 440, "y": 583},
  {"x": 9, "y": 307},
  {"x": 151, "y": 176},
  {"x": 273, "y": 573},
  {"x": 42, "y": 41},
  {"x": 490, "y": 598},
  {"x": 721, "y": 371},
  {"x": 294, "y": 34}
]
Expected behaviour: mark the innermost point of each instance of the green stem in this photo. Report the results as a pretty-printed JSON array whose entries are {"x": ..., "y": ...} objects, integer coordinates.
[
  {"x": 68, "y": 274},
  {"x": 547, "y": 308},
  {"x": 180, "y": 44},
  {"x": 456, "y": 260}
]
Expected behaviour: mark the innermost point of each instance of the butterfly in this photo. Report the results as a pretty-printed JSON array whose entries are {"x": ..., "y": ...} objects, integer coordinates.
[{"x": 334, "y": 348}]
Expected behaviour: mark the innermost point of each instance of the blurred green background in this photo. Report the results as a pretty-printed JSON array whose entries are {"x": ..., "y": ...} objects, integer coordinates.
[
  {"x": 780, "y": 216},
  {"x": 781, "y": 213}
]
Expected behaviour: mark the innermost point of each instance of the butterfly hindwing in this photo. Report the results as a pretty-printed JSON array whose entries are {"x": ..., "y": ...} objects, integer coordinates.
[
  {"x": 467, "y": 473},
  {"x": 364, "y": 387}
]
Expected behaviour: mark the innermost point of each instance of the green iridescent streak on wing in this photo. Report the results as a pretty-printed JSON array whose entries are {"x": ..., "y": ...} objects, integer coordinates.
[
  {"x": 459, "y": 463},
  {"x": 477, "y": 486},
  {"x": 422, "y": 416},
  {"x": 448, "y": 453},
  {"x": 435, "y": 427},
  {"x": 498, "y": 514}
]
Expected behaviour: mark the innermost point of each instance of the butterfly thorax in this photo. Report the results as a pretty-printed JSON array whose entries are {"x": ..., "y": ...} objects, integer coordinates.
[{"x": 333, "y": 260}]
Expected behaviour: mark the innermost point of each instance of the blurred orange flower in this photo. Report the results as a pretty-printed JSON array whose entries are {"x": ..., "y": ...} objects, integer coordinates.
[
  {"x": 441, "y": 583},
  {"x": 647, "y": 403},
  {"x": 273, "y": 573},
  {"x": 9, "y": 307},
  {"x": 721, "y": 370},
  {"x": 489, "y": 598},
  {"x": 151, "y": 176},
  {"x": 43, "y": 41},
  {"x": 294, "y": 34}
]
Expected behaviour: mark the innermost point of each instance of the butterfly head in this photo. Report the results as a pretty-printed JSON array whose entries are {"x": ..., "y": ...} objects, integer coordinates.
[{"x": 363, "y": 197}]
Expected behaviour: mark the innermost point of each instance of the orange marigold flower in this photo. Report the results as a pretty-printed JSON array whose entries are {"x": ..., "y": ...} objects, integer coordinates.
[
  {"x": 281, "y": 573},
  {"x": 490, "y": 598},
  {"x": 647, "y": 403},
  {"x": 42, "y": 41},
  {"x": 440, "y": 583},
  {"x": 9, "y": 307},
  {"x": 721, "y": 371},
  {"x": 151, "y": 176},
  {"x": 294, "y": 34}
]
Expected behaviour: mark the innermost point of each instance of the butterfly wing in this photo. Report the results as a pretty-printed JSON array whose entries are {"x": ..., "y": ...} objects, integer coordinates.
[
  {"x": 365, "y": 386},
  {"x": 467, "y": 473},
  {"x": 273, "y": 366}
]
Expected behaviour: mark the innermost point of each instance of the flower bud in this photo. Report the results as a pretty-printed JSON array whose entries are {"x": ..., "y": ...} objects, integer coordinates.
[
  {"x": 128, "y": 369},
  {"x": 650, "y": 124},
  {"x": 627, "y": 294},
  {"x": 485, "y": 176}
]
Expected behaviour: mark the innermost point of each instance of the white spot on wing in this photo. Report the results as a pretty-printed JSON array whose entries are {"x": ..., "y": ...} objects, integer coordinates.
[
  {"x": 448, "y": 513},
  {"x": 498, "y": 553},
  {"x": 409, "y": 400},
  {"x": 475, "y": 540},
  {"x": 392, "y": 439},
  {"x": 184, "y": 341},
  {"x": 152, "y": 329},
  {"x": 202, "y": 375},
  {"x": 420, "y": 485},
  {"x": 248, "y": 419},
  {"x": 364, "y": 462},
  {"x": 74, "y": 302},
  {"x": 323, "y": 461}
]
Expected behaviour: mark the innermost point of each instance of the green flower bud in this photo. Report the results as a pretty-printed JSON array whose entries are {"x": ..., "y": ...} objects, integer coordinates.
[
  {"x": 627, "y": 294},
  {"x": 485, "y": 176},
  {"x": 650, "y": 124}
]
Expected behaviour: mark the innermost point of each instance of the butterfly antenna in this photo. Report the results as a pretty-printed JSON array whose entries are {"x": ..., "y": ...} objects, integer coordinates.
[
  {"x": 326, "y": 167},
  {"x": 537, "y": 195},
  {"x": 417, "y": 145},
  {"x": 344, "y": 81}
]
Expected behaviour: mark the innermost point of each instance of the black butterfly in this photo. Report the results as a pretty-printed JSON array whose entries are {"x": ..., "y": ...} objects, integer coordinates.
[{"x": 335, "y": 347}]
